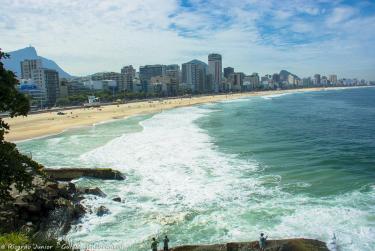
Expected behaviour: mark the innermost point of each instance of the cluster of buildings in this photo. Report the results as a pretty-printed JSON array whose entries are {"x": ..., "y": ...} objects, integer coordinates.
[{"x": 194, "y": 77}]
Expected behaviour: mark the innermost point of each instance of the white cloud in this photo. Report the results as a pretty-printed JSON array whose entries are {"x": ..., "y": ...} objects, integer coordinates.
[
  {"x": 341, "y": 14},
  {"x": 87, "y": 36}
]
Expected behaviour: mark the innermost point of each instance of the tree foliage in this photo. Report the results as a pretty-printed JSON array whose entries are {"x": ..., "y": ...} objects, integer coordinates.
[{"x": 15, "y": 169}]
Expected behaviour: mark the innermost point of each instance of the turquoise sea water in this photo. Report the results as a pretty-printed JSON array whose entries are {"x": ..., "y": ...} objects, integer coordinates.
[{"x": 293, "y": 165}]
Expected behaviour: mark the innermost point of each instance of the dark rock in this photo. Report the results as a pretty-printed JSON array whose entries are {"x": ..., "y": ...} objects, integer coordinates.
[
  {"x": 33, "y": 208},
  {"x": 48, "y": 202},
  {"x": 118, "y": 199},
  {"x": 272, "y": 245},
  {"x": 62, "y": 202},
  {"x": 79, "y": 210},
  {"x": 94, "y": 191},
  {"x": 71, "y": 187},
  {"x": 66, "y": 190},
  {"x": 53, "y": 185},
  {"x": 102, "y": 210},
  {"x": 67, "y": 174}
]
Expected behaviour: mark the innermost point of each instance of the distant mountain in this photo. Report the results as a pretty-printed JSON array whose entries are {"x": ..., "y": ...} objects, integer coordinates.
[
  {"x": 284, "y": 75},
  {"x": 13, "y": 63}
]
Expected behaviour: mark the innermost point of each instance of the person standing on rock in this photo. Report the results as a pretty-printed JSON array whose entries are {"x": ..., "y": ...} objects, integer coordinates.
[
  {"x": 262, "y": 242},
  {"x": 154, "y": 244},
  {"x": 166, "y": 241}
]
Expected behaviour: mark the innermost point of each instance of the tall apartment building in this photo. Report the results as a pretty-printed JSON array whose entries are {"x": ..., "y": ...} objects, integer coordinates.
[
  {"x": 118, "y": 77},
  {"x": 228, "y": 71},
  {"x": 129, "y": 70},
  {"x": 63, "y": 88},
  {"x": 47, "y": 80},
  {"x": 28, "y": 65},
  {"x": 174, "y": 73},
  {"x": 276, "y": 78},
  {"x": 128, "y": 76},
  {"x": 333, "y": 79},
  {"x": 148, "y": 71},
  {"x": 194, "y": 76},
  {"x": 215, "y": 69},
  {"x": 317, "y": 79},
  {"x": 254, "y": 80},
  {"x": 237, "y": 84}
]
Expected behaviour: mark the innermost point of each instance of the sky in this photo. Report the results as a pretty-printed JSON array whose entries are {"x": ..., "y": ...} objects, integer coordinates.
[{"x": 264, "y": 36}]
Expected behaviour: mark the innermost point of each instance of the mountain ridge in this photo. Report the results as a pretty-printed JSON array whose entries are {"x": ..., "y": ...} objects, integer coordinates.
[{"x": 13, "y": 63}]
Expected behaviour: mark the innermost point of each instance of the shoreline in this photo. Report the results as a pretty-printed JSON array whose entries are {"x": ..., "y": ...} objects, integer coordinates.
[{"x": 40, "y": 125}]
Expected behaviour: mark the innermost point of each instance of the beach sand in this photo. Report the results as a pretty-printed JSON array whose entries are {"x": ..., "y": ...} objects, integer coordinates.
[{"x": 47, "y": 123}]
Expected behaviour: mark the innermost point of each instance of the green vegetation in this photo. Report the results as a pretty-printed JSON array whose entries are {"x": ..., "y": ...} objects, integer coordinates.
[
  {"x": 15, "y": 168},
  {"x": 21, "y": 241},
  {"x": 109, "y": 96}
]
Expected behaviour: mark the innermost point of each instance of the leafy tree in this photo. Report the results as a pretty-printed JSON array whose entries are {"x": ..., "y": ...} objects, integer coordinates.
[{"x": 15, "y": 168}]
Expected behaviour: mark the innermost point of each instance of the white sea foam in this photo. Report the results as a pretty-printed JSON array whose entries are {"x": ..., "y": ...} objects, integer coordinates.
[
  {"x": 177, "y": 180},
  {"x": 246, "y": 99},
  {"x": 277, "y": 95},
  {"x": 172, "y": 156}
]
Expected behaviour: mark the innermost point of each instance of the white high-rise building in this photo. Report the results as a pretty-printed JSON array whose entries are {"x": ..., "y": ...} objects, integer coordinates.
[
  {"x": 48, "y": 81},
  {"x": 28, "y": 65},
  {"x": 194, "y": 76},
  {"x": 333, "y": 79},
  {"x": 215, "y": 69}
]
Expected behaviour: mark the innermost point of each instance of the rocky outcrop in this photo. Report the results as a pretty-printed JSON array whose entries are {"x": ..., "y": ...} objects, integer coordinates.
[
  {"x": 49, "y": 203},
  {"x": 117, "y": 199},
  {"x": 272, "y": 245},
  {"x": 67, "y": 174},
  {"x": 50, "y": 207},
  {"x": 94, "y": 191},
  {"x": 102, "y": 210}
]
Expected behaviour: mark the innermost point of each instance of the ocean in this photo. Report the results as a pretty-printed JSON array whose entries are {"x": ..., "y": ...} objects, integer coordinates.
[{"x": 290, "y": 165}]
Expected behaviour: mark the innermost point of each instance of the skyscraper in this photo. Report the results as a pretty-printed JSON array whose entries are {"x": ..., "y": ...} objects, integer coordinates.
[
  {"x": 215, "y": 69},
  {"x": 228, "y": 71},
  {"x": 128, "y": 70},
  {"x": 28, "y": 65},
  {"x": 47, "y": 80},
  {"x": 333, "y": 79},
  {"x": 276, "y": 78},
  {"x": 194, "y": 75},
  {"x": 148, "y": 71},
  {"x": 237, "y": 84},
  {"x": 128, "y": 75},
  {"x": 317, "y": 79},
  {"x": 174, "y": 73}
]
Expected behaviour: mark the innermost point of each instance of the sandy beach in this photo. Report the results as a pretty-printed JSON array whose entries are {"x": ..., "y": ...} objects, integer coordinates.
[{"x": 47, "y": 123}]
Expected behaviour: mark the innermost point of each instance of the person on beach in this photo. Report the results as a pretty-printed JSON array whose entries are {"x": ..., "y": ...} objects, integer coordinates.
[
  {"x": 262, "y": 242},
  {"x": 166, "y": 241},
  {"x": 154, "y": 244}
]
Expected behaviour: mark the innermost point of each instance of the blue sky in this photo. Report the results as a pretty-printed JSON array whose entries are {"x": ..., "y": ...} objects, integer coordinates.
[{"x": 265, "y": 36}]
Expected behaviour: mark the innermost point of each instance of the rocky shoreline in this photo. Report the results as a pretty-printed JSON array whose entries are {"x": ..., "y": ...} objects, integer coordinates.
[
  {"x": 52, "y": 206},
  {"x": 299, "y": 244}
]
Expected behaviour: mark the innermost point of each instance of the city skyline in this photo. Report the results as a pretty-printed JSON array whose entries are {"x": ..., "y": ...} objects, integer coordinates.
[{"x": 327, "y": 37}]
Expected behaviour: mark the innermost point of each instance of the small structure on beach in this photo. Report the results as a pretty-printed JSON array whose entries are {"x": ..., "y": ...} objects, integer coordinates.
[{"x": 92, "y": 102}]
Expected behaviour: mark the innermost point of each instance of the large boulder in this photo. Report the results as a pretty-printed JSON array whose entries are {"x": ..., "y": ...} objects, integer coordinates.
[
  {"x": 117, "y": 199},
  {"x": 102, "y": 210},
  {"x": 94, "y": 191}
]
